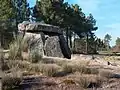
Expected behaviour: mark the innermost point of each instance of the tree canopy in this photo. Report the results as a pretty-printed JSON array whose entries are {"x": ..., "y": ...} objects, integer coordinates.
[
  {"x": 118, "y": 41},
  {"x": 107, "y": 40},
  {"x": 64, "y": 15}
]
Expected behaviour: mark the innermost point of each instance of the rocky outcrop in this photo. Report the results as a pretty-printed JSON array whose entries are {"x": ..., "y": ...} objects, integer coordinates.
[{"x": 46, "y": 39}]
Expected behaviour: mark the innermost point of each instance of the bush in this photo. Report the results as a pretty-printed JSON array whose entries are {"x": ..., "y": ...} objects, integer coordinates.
[
  {"x": 87, "y": 81},
  {"x": 35, "y": 67},
  {"x": 45, "y": 69},
  {"x": 72, "y": 67},
  {"x": 11, "y": 83},
  {"x": 18, "y": 64},
  {"x": 49, "y": 69},
  {"x": 68, "y": 68},
  {"x": 83, "y": 82},
  {"x": 35, "y": 56},
  {"x": 90, "y": 71},
  {"x": 18, "y": 46},
  {"x": 105, "y": 73},
  {"x": 15, "y": 48}
]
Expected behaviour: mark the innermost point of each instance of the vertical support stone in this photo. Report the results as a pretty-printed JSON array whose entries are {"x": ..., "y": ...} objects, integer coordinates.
[
  {"x": 64, "y": 47},
  {"x": 52, "y": 47},
  {"x": 35, "y": 45}
]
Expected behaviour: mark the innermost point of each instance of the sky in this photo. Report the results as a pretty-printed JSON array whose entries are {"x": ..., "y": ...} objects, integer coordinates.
[{"x": 106, "y": 13}]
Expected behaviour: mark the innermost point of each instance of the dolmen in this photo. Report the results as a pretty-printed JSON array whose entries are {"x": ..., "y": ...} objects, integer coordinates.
[{"x": 47, "y": 40}]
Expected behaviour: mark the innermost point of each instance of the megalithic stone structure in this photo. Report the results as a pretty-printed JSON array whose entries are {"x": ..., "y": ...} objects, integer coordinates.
[{"x": 47, "y": 39}]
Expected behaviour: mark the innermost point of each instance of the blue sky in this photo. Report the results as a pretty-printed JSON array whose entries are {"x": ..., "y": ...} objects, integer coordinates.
[{"x": 106, "y": 13}]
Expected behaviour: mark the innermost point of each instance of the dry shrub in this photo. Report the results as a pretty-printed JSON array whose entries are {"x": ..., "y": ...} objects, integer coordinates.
[
  {"x": 18, "y": 64},
  {"x": 24, "y": 65},
  {"x": 35, "y": 67},
  {"x": 54, "y": 60},
  {"x": 61, "y": 62},
  {"x": 83, "y": 82},
  {"x": 82, "y": 62},
  {"x": 106, "y": 73},
  {"x": 49, "y": 69},
  {"x": 68, "y": 68},
  {"x": 87, "y": 81},
  {"x": 15, "y": 48},
  {"x": 18, "y": 46},
  {"x": 72, "y": 67},
  {"x": 11, "y": 83},
  {"x": 91, "y": 71},
  {"x": 35, "y": 57},
  {"x": 69, "y": 82},
  {"x": 46, "y": 69},
  {"x": 95, "y": 81}
]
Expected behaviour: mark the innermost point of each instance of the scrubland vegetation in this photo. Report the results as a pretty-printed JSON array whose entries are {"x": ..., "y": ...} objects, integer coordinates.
[
  {"x": 77, "y": 73},
  {"x": 19, "y": 68}
]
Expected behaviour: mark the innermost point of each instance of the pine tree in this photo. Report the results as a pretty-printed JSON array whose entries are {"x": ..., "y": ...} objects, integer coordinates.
[{"x": 22, "y": 10}]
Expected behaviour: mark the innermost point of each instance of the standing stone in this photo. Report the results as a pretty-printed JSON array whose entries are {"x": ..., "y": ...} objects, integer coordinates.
[
  {"x": 64, "y": 47},
  {"x": 52, "y": 47},
  {"x": 35, "y": 44}
]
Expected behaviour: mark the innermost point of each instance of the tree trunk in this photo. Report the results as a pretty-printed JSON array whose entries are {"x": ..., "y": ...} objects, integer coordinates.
[
  {"x": 86, "y": 43},
  {"x": 1, "y": 53},
  {"x": 74, "y": 41},
  {"x": 70, "y": 37},
  {"x": 67, "y": 36},
  {"x": 0, "y": 41}
]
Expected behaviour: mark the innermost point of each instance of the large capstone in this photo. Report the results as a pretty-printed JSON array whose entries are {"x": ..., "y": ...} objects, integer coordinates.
[{"x": 45, "y": 39}]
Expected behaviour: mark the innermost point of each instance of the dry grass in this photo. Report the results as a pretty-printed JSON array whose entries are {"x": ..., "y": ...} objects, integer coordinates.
[
  {"x": 87, "y": 81},
  {"x": 80, "y": 74},
  {"x": 19, "y": 47},
  {"x": 11, "y": 82},
  {"x": 83, "y": 82},
  {"x": 16, "y": 48},
  {"x": 35, "y": 57},
  {"x": 106, "y": 73},
  {"x": 79, "y": 66},
  {"x": 18, "y": 64},
  {"x": 46, "y": 69},
  {"x": 49, "y": 69}
]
